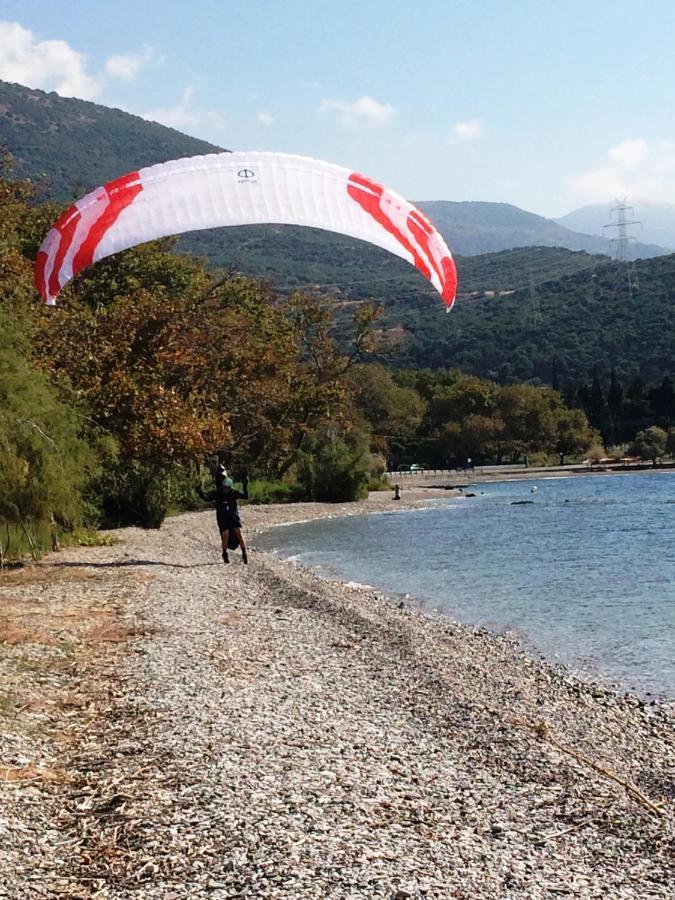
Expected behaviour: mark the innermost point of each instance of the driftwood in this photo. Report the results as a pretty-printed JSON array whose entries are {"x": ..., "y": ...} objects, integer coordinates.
[{"x": 543, "y": 730}]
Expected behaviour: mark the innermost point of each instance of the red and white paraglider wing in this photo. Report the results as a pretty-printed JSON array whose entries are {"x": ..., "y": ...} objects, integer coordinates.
[{"x": 238, "y": 189}]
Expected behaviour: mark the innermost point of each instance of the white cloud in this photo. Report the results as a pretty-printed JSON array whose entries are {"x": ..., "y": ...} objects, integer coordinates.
[
  {"x": 54, "y": 65},
  {"x": 264, "y": 118},
  {"x": 181, "y": 115},
  {"x": 364, "y": 112},
  {"x": 629, "y": 153},
  {"x": 468, "y": 131},
  {"x": 127, "y": 66},
  {"x": 634, "y": 168},
  {"x": 49, "y": 65}
]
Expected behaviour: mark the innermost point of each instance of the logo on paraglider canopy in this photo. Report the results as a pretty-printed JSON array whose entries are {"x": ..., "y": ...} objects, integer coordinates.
[{"x": 245, "y": 175}]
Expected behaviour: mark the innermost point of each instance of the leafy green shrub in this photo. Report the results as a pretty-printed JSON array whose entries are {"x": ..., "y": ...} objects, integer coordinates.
[
  {"x": 378, "y": 483},
  {"x": 335, "y": 469},
  {"x": 16, "y": 544},
  {"x": 135, "y": 493},
  {"x": 261, "y": 491},
  {"x": 183, "y": 482},
  {"x": 377, "y": 466}
]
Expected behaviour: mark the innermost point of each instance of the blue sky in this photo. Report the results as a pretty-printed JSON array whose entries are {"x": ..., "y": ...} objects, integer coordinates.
[{"x": 547, "y": 105}]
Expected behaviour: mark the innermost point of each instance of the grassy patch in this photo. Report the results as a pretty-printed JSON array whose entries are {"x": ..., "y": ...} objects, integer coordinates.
[
  {"x": 90, "y": 537},
  {"x": 15, "y": 545},
  {"x": 262, "y": 491}
]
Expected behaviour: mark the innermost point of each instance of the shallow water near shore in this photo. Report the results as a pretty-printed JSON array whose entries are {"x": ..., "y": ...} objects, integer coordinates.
[{"x": 585, "y": 571}]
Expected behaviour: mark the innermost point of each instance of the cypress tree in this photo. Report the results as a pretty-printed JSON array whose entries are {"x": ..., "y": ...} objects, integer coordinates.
[
  {"x": 662, "y": 401},
  {"x": 615, "y": 407}
]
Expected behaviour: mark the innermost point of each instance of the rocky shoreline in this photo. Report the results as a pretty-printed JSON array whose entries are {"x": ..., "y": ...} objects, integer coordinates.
[{"x": 175, "y": 728}]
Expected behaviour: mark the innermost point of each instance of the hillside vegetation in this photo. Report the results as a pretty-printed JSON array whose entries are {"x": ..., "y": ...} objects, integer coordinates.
[
  {"x": 290, "y": 257},
  {"x": 76, "y": 145},
  {"x": 559, "y": 331}
]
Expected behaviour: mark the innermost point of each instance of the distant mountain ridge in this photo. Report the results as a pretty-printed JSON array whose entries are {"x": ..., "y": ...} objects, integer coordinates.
[
  {"x": 78, "y": 145},
  {"x": 473, "y": 227},
  {"x": 657, "y": 221}
]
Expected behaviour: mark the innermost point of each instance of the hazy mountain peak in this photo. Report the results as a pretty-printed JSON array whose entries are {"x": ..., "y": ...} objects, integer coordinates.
[{"x": 657, "y": 220}]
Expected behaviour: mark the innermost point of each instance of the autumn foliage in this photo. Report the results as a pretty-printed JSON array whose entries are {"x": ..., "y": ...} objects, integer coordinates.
[{"x": 151, "y": 366}]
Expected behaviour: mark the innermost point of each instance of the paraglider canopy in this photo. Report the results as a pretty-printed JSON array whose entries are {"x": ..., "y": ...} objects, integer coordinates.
[{"x": 238, "y": 189}]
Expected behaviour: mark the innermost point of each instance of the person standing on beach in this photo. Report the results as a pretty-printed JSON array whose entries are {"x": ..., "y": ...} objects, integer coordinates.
[{"x": 227, "y": 514}]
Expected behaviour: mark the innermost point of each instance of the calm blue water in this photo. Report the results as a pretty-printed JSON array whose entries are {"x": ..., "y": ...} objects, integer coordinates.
[{"x": 586, "y": 572}]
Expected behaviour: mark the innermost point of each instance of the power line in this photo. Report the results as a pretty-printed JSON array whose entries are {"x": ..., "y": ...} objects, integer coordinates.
[
  {"x": 621, "y": 243},
  {"x": 623, "y": 240}
]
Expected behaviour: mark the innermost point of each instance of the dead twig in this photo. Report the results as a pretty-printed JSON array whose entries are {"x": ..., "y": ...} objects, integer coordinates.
[
  {"x": 545, "y": 838},
  {"x": 544, "y": 731}
]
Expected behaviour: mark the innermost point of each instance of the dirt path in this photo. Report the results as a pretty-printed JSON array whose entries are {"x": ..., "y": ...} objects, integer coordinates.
[{"x": 175, "y": 728}]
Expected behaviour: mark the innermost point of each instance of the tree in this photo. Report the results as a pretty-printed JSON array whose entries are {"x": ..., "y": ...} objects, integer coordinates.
[
  {"x": 636, "y": 413},
  {"x": 670, "y": 443},
  {"x": 334, "y": 467},
  {"x": 463, "y": 419},
  {"x": 597, "y": 411},
  {"x": 574, "y": 435},
  {"x": 176, "y": 369},
  {"x": 614, "y": 407},
  {"x": 530, "y": 417},
  {"x": 44, "y": 463},
  {"x": 323, "y": 389},
  {"x": 662, "y": 401},
  {"x": 392, "y": 411},
  {"x": 475, "y": 437},
  {"x": 650, "y": 443},
  {"x": 466, "y": 396}
]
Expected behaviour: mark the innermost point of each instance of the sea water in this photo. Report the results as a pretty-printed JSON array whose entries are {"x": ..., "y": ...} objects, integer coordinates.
[{"x": 585, "y": 572}]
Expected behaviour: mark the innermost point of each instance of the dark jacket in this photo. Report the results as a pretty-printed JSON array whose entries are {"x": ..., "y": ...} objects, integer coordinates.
[{"x": 226, "y": 501}]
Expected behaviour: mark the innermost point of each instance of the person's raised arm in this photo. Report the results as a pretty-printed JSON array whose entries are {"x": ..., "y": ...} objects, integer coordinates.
[{"x": 208, "y": 496}]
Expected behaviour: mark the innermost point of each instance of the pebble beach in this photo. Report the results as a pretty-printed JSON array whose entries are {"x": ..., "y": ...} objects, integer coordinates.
[{"x": 175, "y": 728}]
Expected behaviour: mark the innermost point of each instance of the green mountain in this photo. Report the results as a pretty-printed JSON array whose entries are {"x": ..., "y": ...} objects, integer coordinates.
[
  {"x": 613, "y": 315},
  {"x": 300, "y": 257},
  {"x": 77, "y": 145}
]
